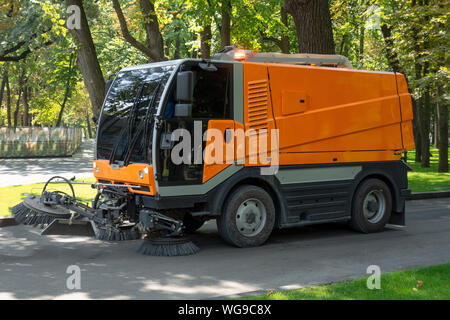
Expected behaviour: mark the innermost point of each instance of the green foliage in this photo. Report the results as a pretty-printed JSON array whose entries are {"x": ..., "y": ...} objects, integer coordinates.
[
  {"x": 257, "y": 23},
  {"x": 113, "y": 52},
  {"x": 418, "y": 35},
  {"x": 349, "y": 18},
  {"x": 429, "y": 283},
  {"x": 427, "y": 179}
]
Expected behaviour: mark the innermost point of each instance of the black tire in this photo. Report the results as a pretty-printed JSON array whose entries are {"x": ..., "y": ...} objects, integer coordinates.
[
  {"x": 369, "y": 198},
  {"x": 192, "y": 224},
  {"x": 227, "y": 224}
]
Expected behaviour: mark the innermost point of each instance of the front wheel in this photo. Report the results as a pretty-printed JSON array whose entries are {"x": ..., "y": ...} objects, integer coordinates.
[
  {"x": 248, "y": 218},
  {"x": 372, "y": 206}
]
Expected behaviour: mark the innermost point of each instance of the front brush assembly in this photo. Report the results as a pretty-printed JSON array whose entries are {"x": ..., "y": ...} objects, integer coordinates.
[
  {"x": 59, "y": 213},
  {"x": 164, "y": 235}
]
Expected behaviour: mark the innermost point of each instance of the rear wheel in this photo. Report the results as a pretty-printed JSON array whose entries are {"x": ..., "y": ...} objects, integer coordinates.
[
  {"x": 248, "y": 218},
  {"x": 372, "y": 206}
]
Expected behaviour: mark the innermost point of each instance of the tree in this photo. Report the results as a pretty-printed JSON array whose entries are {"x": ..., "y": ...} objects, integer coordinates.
[
  {"x": 24, "y": 30},
  {"x": 225, "y": 23},
  {"x": 313, "y": 24},
  {"x": 22, "y": 82},
  {"x": 394, "y": 62},
  {"x": 205, "y": 12},
  {"x": 67, "y": 90},
  {"x": 87, "y": 60},
  {"x": 151, "y": 23},
  {"x": 416, "y": 46},
  {"x": 154, "y": 48},
  {"x": 8, "y": 100},
  {"x": 2, "y": 88}
]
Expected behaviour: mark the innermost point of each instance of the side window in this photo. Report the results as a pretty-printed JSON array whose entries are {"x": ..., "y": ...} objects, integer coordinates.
[{"x": 213, "y": 94}]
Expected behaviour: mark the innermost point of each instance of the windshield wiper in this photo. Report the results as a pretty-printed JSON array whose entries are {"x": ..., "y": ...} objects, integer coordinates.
[
  {"x": 131, "y": 119},
  {"x": 144, "y": 124}
]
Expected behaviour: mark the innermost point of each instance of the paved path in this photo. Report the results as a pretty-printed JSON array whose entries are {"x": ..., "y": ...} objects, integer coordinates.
[
  {"x": 32, "y": 170},
  {"x": 32, "y": 266}
]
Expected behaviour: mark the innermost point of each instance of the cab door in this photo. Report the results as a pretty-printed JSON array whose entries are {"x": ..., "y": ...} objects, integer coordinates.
[{"x": 186, "y": 120}]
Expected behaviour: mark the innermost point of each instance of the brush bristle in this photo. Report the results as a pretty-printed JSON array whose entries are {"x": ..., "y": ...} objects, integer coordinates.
[
  {"x": 26, "y": 216},
  {"x": 122, "y": 235},
  {"x": 168, "y": 248}
]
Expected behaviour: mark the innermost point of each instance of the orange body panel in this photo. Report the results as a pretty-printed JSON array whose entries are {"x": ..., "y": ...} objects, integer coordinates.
[
  {"x": 407, "y": 112},
  {"x": 211, "y": 166},
  {"x": 329, "y": 115},
  {"x": 258, "y": 113},
  {"x": 127, "y": 175}
]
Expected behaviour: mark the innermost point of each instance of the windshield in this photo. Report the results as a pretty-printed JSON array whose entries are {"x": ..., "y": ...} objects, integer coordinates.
[{"x": 128, "y": 108}]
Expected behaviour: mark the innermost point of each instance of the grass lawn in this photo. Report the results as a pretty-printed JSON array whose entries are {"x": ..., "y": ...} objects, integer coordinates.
[
  {"x": 415, "y": 284},
  {"x": 10, "y": 196},
  {"x": 427, "y": 179}
]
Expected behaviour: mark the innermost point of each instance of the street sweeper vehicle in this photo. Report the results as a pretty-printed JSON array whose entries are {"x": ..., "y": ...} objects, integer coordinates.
[{"x": 256, "y": 141}]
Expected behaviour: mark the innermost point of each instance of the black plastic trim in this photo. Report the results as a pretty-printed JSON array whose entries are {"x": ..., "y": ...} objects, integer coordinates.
[{"x": 298, "y": 203}]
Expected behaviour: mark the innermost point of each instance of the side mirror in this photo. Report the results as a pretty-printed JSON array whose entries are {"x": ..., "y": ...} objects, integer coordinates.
[
  {"x": 94, "y": 119},
  {"x": 185, "y": 87},
  {"x": 108, "y": 85}
]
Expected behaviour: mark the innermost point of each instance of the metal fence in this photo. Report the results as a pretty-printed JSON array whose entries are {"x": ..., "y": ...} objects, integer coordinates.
[{"x": 24, "y": 142}]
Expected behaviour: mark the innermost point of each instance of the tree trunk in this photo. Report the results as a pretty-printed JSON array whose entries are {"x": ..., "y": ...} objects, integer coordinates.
[
  {"x": 391, "y": 54},
  {"x": 225, "y": 25},
  {"x": 417, "y": 132},
  {"x": 22, "y": 83},
  {"x": 284, "y": 44},
  {"x": 416, "y": 103},
  {"x": 88, "y": 62},
  {"x": 418, "y": 68},
  {"x": 313, "y": 24},
  {"x": 88, "y": 122},
  {"x": 342, "y": 45},
  {"x": 8, "y": 101},
  {"x": 16, "y": 112},
  {"x": 26, "y": 107},
  {"x": 154, "y": 37},
  {"x": 2, "y": 87},
  {"x": 443, "y": 134},
  {"x": 2, "y": 91},
  {"x": 63, "y": 105},
  {"x": 436, "y": 125},
  {"x": 152, "y": 31},
  {"x": 176, "y": 54},
  {"x": 205, "y": 41},
  {"x": 66, "y": 92},
  {"x": 426, "y": 129},
  {"x": 361, "y": 46}
]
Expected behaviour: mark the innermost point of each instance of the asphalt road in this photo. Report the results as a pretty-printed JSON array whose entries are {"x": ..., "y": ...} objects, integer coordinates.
[
  {"x": 34, "y": 267},
  {"x": 32, "y": 170}
]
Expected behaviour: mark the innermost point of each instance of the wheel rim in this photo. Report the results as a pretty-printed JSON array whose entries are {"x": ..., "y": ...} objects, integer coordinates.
[
  {"x": 374, "y": 206},
  {"x": 251, "y": 217}
]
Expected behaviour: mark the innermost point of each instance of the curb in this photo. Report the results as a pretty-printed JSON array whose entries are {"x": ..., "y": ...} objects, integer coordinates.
[
  {"x": 428, "y": 195},
  {"x": 7, "y": 221}
]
